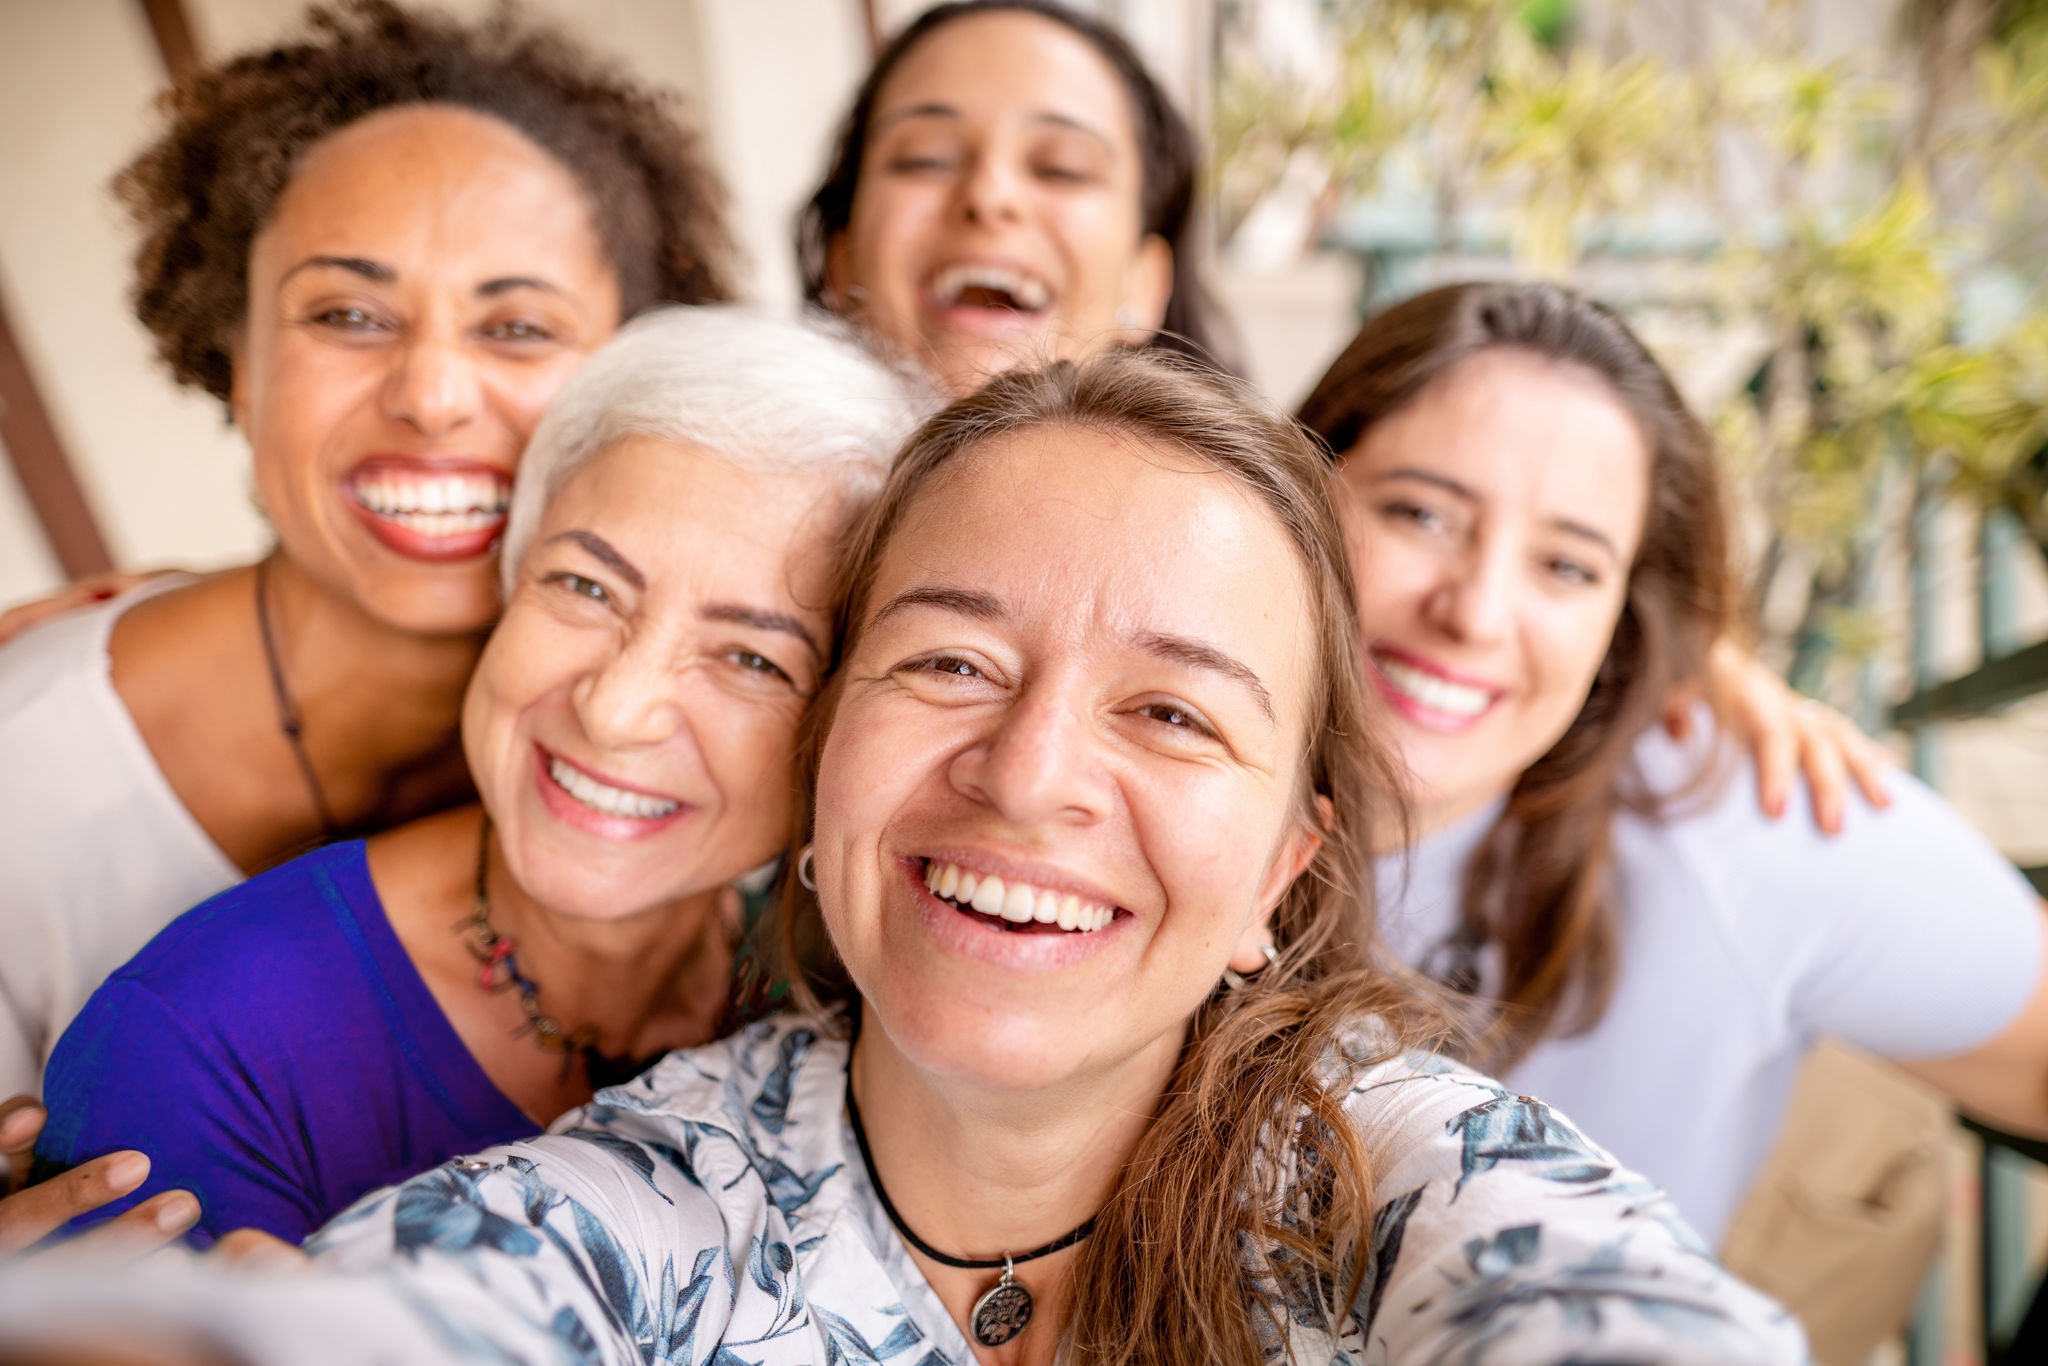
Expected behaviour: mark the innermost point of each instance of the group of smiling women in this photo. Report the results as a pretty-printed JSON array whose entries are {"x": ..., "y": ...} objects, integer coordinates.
[{"x": 948, "y": 832}]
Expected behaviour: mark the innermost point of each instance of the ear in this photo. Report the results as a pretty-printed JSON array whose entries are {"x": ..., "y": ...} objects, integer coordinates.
[
  {"x": 1302, "y": 844},
  {"x": 1148, "y": 285}
]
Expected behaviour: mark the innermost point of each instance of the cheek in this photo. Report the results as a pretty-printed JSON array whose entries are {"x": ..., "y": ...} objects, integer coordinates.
[
  {"x": 1569, "y": 647},
  {"x": 528, "y": 662},
  {"x": 1206, "y": 839}
]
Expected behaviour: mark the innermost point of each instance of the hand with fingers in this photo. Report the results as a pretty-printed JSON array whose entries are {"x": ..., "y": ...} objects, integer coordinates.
[
  {"x": 1789, "y": 737},
  {"x": 31, "y": 1214}
]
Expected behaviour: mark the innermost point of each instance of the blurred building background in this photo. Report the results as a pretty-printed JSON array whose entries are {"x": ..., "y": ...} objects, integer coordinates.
[{"x": 1830, "y": 217}]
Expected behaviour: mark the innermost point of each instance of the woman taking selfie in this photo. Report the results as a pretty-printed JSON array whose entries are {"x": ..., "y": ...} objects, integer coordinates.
[
  {"x": 1542, "y": 556},
  {"x": 384, "y": 249},
  {"x": 371, "y": 1009},
  {"x": 1104, "y": 1069}
]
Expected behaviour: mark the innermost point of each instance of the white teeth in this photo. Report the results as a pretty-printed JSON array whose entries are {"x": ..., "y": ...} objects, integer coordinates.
[
  {"x": 1438, "y": 694},
  {"x": 1017, "y": 902},
  {"x": 1029, "y": 292},
  {"x": 436, "y": 504},
  {"x": 605, "y": 798}
]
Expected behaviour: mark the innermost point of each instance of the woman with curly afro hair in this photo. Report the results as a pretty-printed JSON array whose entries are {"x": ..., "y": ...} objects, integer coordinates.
[{"x": 384, "y": 247}]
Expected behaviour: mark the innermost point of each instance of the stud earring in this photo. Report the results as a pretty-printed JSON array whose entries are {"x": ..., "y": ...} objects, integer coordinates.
[{"x": 803, "y": 869}]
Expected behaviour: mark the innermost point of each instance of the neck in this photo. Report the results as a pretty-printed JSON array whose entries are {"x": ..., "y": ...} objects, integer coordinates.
[
  {"x": 648, "y": 981},
  {"x": 376, "y": 695},
  {"x": 978, "y": 1171}
]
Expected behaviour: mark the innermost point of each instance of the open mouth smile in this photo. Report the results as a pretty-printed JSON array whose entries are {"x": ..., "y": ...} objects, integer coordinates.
[
  {"x": 1428, "y": 697},
  {"x": 1015, "y": 906},
  {"x": 992, "y": 288},
  {"x": 433, "y": 509}
]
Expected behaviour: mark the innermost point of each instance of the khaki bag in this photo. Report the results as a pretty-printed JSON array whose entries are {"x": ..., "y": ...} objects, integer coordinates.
[{"x": 1844, "y": 1219}]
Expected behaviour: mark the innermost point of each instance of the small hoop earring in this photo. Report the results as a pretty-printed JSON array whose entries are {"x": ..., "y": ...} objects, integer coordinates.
[
  {"x": 1237, "y": 981},
  {"x": 803, "y": 869}
]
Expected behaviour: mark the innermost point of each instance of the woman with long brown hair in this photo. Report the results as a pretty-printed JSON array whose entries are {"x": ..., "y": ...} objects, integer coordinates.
[
  {"x": 1542, "y": 556},
  {"x": 1093, "y": 1058}
]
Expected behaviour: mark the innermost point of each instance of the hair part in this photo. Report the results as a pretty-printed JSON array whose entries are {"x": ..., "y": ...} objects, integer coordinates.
[
  {"x": 1538, "y": 886},
  {"x": 761, "y": 393},
  {"x": 1168, "y": 157},
  {"x": 202, "y": 192},
  {"x": 1252, "y": 1189}
]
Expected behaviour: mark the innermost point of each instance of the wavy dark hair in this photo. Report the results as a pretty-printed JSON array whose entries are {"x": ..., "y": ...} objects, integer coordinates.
[
  {"x": 1166, "y": 149},
  {"x": 203, "y": 190},
  {"x": 1252, "y": 1190},
  {"x": 1538, "y": 885}
]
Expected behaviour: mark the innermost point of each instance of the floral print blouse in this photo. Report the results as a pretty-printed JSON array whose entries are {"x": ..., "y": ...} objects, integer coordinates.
[{"x": 716, "y": 1212}]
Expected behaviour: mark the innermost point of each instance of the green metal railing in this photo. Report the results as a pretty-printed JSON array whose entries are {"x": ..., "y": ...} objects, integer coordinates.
[{"x": 2012, "y": 1295}]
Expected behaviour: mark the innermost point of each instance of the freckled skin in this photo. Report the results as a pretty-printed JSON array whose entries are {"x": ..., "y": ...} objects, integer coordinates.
[{"x": 1494, "y": 587}]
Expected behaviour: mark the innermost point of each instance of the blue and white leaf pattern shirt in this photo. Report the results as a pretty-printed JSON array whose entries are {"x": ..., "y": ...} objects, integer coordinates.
[{"x": 715, "y": 1212}]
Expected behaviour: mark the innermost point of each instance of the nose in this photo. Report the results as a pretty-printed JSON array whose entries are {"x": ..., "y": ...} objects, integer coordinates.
[
  {"x": 1475, "y": 600},
  {"x": 1037, "y": 764},
  {"x": 633, "y": 700},
  {"x": 989, "y": 195},
  {"x": 434, "y": 389}
]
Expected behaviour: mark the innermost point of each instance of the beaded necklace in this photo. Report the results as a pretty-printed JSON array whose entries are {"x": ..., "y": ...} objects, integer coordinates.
[{"x": 497, "y": 957}]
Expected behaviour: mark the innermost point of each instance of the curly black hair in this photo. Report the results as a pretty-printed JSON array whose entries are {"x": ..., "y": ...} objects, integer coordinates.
[{"x": 202, "y": 191}]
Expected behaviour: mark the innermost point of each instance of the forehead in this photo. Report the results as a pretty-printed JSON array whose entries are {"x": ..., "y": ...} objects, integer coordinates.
[
  {"x": 989, "y": 67},
  {"x": 684, "y": 514},
  {"x": 1095, "y": 538},
  {"x": 1525, "y": 433},
  {"x": 432, "y": 177}
]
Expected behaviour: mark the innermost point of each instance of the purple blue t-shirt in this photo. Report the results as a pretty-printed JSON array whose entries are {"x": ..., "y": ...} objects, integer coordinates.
[{"x": 275, "y": 1052}]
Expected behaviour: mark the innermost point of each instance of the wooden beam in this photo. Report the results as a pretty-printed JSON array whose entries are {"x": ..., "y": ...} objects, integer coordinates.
[
  {"x": 873, "y": 22},
  {"x": 173, "y": 32},
  {"x": 38, "y": 458}
]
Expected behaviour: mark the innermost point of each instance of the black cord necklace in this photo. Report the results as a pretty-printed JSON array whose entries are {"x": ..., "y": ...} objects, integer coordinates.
[
  {"x": 288, "y": 719},
  {"x": 1005, "y": 1307}
]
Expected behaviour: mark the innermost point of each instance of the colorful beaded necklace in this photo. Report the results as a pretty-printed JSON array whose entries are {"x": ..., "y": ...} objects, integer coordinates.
[{"x": 497, "y": 959}]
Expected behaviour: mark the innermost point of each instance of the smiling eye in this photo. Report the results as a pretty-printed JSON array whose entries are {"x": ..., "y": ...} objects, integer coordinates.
[
  {"x": 1402, "y": 511},
  {"x": 1572, "y": 572},
  {"x": 949, "y": 664},
  {"x": 753, "y": 661},
  {"x": 348, "y": 319},
  {"x": 1174, "y": 715},
  {"x": 580, "y": 586},
  {"x": 518, "y": 330}
]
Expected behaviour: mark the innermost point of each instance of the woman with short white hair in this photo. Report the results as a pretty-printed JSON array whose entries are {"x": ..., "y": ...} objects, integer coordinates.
[{"x": 375, "y": 1007}]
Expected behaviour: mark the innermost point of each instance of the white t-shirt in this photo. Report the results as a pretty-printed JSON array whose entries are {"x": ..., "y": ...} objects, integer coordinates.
[
  {"x": 1742, "y": 941},
  {"x": 96, "y": 852}
]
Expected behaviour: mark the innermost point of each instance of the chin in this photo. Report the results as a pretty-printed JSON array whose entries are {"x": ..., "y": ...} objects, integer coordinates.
[
  {"x": 448, "y": 604},
  {"x": 981, "y": 1045}
]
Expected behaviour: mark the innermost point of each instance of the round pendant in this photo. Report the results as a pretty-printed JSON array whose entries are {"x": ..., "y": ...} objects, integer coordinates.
[{"x": 1002, "y": 1313}]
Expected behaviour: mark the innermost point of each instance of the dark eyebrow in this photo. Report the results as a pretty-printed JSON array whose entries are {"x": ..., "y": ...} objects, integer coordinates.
[
  {"x": 1464, "y": 493},
  {"x": 492, "y": 288},
  {"x": 1197, "y": 655},
  {"x": 761, "y": 619},
  {"x": 965, "y": 601},
  {"x": 601, "y": 549},
  {"x": 932, "y": 109},
  {"x": 375, "y": 271}
]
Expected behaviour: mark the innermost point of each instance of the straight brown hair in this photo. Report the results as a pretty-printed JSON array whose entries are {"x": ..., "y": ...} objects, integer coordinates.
[
  {"x": 1248, "y": 1202},
  {"x": 1538, "y": 886}
]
